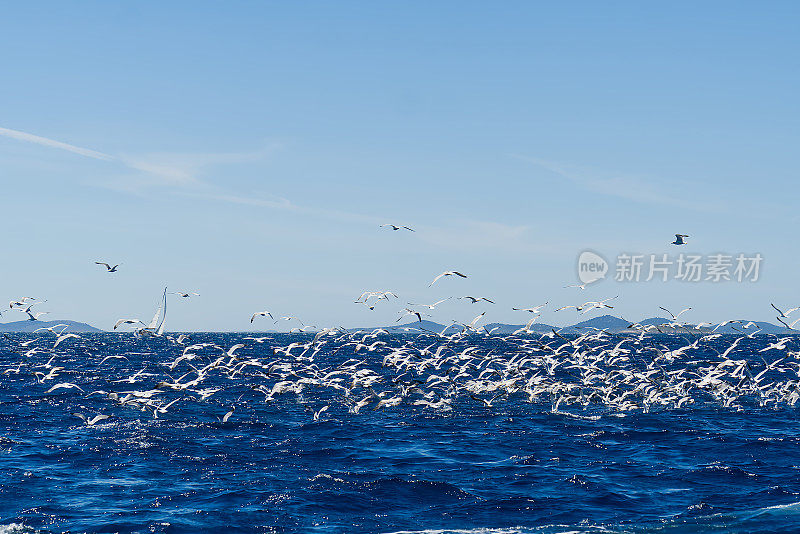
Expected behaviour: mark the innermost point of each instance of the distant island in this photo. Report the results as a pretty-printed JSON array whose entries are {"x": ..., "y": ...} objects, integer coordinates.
[
  {"x": 30, "y": 326},
  {"x": 609, "y": 323}
]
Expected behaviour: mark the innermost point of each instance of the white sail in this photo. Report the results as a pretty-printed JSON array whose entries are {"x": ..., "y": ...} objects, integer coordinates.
[
  {"x": 154, "y": 323},
  {"x": 156, "y": 326},
  {"x": 162, "y": 309}
]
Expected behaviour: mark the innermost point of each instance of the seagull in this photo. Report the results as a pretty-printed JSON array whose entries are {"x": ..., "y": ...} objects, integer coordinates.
[
  {"x": 52, "y": 329},
  {"x": 535, "y": 309},
  {"x": 261, "y": 314},
  {"x": 410, "y": 312},
  {"x": 675, "y": 317},
  {"x": 679, "y": 239},
  {"x": 395, "y": 227},
  {"x": 583, "y": 286},
  {"x": 431, "y": 306},
  {"x": 32, "y": 317},
  {"x": 126, "y": 321},
  {"x": 232, "y": 351},
  {"x": 63, "y": 337},
  {"x": 108, "y": 267},
  {"x": 20, "y": 303},
  {"x": 93, "y": 420},
  {"x": 786, "y": 313},
  {"x": 227, "y": 416},
  {"x": 447, "y": 273},
  {"x": 319, "y": 412},
  {"x": 477, "y": 299},
  {"x": 64, "y": 385}
]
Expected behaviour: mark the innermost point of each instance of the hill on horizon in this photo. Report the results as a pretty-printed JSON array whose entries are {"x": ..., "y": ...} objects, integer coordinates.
[{"x": 30, "y": 326}]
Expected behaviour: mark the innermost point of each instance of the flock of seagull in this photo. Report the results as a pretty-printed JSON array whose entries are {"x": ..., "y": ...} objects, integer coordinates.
[
  {"x": 339, "y": 373},
  {"x": 334, "y": 372}
]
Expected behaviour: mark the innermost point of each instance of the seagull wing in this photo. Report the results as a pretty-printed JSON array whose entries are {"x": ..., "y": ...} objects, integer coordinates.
[
  {"x": 778, "y": 309},
  {"x": 437, "y": 278}
]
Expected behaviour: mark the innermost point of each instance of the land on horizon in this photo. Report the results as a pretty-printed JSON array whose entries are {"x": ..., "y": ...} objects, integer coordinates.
[{"x": 609, "y": 323}]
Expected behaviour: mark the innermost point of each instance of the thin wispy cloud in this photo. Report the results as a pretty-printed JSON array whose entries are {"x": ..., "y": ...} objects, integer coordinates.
[
  {"x": 182, "y": 172},
  {"x": 633, "y": 188},
  {"x": 52, "y": 143},
  {"x": 157, "y": 169}
]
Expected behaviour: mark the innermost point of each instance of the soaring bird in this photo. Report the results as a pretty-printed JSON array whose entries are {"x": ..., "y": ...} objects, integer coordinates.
[
  {"x": 431, "y": 306},
  {"x": 93, "y": 420},
  {"x": 784, "y": 313},
  {"x": 34, "y": 317},
  {"x": 675, "y": 317},
  {"x": 126, "y": 321},
  {"x": 583, "y": 286},
  {"x": 108, "y": 267},
  {"x": 410, "y": 312},
  {"x": 679, "y": 239},
  {"x": 535, "y": 309},
  {"x": 261, "y": 314},
  {"x": 477, "y": 299},
  {"x": 447, "y": 273},
  {"x": 395, "y": 227}
]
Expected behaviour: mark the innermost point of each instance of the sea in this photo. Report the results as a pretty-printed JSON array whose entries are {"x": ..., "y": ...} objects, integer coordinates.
[{"x": 378, "y": 433}]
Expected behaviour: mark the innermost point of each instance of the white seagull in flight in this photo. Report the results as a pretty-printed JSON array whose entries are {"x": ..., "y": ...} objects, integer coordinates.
[{"x": 447, "y": 273}]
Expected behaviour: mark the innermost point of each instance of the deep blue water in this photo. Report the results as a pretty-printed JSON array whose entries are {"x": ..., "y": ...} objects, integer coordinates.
[{"x": 519, "y": 465}]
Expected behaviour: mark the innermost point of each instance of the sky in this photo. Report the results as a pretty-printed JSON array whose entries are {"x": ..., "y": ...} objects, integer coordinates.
[{"x": 249, "y": 151}]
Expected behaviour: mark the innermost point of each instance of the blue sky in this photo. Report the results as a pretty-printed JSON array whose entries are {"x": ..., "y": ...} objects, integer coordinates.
[{"x": 249, "y": 151}]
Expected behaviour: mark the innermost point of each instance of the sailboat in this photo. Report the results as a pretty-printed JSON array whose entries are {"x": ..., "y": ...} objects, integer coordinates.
[{"x": 156, "y": 326}]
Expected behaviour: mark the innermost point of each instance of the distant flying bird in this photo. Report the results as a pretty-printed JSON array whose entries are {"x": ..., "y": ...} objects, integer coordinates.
[
  {"x": 227, "y": 416},
  {"x": 477, "y": 299},
  {"x": 675, "y": 317},
  {"x": 786, "y": 313},
  {"x": 535, "y": 309},
  {"x": 410, "y": 312},
  {"x": 395, "y": 227},
  {"x": 447, "y": 273},
  {"x": 63, "y": 337},
  {"x": 186, "y": 295},
  {"x": 431, "y": 306},
  {"x": 261, "y": 314},
  {"x": 21, "y": 303},
  {"x": 108, "y": 267},
  {"x": 34, "y": 317},
  {"x": 583, "y": 286},
  {"x": 679, "y": 239},
  {"x": 93, "y": 420},
  {"x": 319, "y": 412},
  {"x": 64, "y": 385},
  {"x": 126, "y": 321},
  {"x": 52, "y": 329}
]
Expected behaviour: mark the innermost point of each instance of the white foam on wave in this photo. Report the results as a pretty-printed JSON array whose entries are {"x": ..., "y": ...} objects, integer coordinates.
[
  {"x": 15, "y": 528},
  {"x": 778, "y": 509}
]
